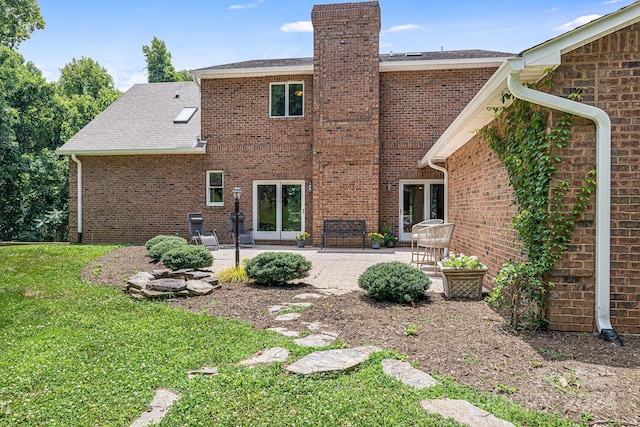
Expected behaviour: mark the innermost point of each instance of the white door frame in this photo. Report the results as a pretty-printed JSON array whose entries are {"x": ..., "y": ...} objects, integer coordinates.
[
  {"x": 406, "y": 237},
  {"x": 278, "y": 234}
]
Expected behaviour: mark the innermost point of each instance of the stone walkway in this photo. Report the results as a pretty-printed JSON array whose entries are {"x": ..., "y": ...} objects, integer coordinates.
[{"x": 333, "y": 272}]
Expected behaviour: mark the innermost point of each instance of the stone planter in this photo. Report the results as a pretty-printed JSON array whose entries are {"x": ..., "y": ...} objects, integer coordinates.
[
  {"x": 301, "y": 243},
  {"x": 376, "y": 245},
  {"x": 390, "y": 243},
  {"x": 462, "y": 282}
]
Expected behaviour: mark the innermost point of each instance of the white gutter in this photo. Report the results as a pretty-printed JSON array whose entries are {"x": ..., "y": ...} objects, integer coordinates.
[
  {"x": 79, "y": 184},
  {"x": 446, "y": 187},
  {"x": 603, "y": 188}
]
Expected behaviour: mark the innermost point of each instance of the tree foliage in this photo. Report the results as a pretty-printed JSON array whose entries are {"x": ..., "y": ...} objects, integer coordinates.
[
  {"x": 18, "y": 19},
  {"x": 159, "y": 66}
]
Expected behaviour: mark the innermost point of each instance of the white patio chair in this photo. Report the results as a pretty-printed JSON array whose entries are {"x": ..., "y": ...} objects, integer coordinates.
[
  {"x": 415, "y": 233},
  {"x": 434, "y": 241}
]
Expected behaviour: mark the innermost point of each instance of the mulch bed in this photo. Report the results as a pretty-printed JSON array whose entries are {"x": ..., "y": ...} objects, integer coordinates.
[{"x": 565, "y": 373}]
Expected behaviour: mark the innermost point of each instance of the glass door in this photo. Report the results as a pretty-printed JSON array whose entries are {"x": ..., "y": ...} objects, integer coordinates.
[
  {"x": 278, "y": 209},
  {"x": 419, "y": 200}
]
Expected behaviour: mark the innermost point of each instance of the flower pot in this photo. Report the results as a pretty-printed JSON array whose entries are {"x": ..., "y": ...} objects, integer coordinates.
[
  {"x": 376, "y": 245},
  {"x": 390, "y": 243},
  {"x": 301, "y": 243},
  {"x": 462, "y": 282}
]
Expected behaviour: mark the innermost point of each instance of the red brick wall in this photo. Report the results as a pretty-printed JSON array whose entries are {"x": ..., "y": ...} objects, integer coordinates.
[
  {"x": 481, "y": 207},
  {"x": 608, "y": 72},
  {"x": 346, "y": 113},
  {"x": 415, "y": 109}
]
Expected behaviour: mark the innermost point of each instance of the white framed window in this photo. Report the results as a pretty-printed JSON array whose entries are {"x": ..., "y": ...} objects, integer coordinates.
[
  {"x": 215, "y": 188},
  {"x": 286, "y": 99}
]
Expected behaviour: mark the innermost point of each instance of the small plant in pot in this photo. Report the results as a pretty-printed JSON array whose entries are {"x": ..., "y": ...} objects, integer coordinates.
[
  {"x": 377, "y": 239},
  {"x": 302, "y": 238},
  {"x": 390, "y": 236},
  {"x": 462, "y": 276}
]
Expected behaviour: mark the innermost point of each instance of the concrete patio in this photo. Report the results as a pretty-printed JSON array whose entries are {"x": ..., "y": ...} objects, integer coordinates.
[{"x": 337, "y": 269}]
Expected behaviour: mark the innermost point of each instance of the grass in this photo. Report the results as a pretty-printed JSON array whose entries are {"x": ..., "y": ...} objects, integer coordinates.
[{"x": 76, "y": 354}]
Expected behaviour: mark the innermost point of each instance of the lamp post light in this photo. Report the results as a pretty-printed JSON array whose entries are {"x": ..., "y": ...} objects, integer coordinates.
[{"x": 236, "y": 197}]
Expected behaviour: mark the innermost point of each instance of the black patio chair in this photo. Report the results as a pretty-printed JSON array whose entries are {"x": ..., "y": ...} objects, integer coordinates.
[
  {"x": 245, "y": 236},
  {"x": 198, "y": 234}
]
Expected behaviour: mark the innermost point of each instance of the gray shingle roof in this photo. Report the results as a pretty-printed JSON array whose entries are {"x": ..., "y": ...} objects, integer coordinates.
[
  {"x": 395, "y": 57},
  {"x": 141, "y": 121}
]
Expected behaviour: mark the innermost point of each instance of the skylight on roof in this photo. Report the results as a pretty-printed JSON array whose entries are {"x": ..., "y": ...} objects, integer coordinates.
[{"x": 185, "y": 115}]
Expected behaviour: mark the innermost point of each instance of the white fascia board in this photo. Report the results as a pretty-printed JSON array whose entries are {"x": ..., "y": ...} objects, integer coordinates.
[
  {"x": 190, "y": 150},
  {"x": 546, "y": 53},
  {"x": 441, "y": 64},
  {"x": 252, "y": 72}
]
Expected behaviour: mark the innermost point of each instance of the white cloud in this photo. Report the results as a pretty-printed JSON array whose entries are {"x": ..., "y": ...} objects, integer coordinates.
[
  {"x": 576, "y": 22},
  {"x": 50, "y": 76},
  {"x": 246, "y": 5},
  {"x": 124, "y": 79},
  {"x": 404, "y": 27},
  {"x": 612, "y": 1},
  {"x": 298, "y": 27}
]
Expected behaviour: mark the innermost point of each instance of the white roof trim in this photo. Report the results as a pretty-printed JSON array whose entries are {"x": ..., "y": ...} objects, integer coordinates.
[
  {"x": 134, "y": 152},
  {"x": 532, "y": 64},
  {"x": 251, "y": 72},
  {"x": 441, "y": 64}
]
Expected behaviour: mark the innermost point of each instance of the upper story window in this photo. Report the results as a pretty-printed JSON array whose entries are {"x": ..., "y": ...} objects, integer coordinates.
[
  {"x": 286, "y": 99},
  {"x": 215, "y": 188}
]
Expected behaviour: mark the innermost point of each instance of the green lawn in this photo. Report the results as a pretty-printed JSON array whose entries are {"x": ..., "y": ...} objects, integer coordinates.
[{"x": 77, "y": 354}]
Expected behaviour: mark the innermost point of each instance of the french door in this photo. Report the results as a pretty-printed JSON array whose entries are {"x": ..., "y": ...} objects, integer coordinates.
[
  {"x": 419, "y": 200},
  {"x": 278, "y": 209}
]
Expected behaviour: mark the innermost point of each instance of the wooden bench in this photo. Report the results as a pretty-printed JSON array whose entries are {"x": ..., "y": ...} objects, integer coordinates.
[{"x": 343, "y": 227}]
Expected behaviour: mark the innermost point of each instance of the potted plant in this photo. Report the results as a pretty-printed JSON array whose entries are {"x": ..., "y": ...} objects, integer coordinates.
[
  {"x": 301, "y": 238},
  {"x": 390, "y": 236},
  {"x": 377, "y": 239},
  {"x": 462, "y": 276}
]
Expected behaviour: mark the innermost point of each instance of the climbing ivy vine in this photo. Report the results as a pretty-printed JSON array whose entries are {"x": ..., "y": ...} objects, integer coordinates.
[{"x": 547, "y": 207}]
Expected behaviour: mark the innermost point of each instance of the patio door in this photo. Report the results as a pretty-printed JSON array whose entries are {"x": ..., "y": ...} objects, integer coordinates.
[
  {"x": 278, "y": 209},
  {"x": 419, "y": 200}
]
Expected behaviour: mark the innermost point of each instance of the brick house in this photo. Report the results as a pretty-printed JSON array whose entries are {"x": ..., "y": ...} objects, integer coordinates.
[{"x": 389, "y": 138}]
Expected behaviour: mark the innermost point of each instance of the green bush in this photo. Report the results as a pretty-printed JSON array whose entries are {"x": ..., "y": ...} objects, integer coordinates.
[
  {"x": 165, "y": 246},
  {"x": 159, "y": 239},
  {"x": 187, "y": 256},
  {"x": 394, "y": 281},
  {"x": 272, "y": 268}
]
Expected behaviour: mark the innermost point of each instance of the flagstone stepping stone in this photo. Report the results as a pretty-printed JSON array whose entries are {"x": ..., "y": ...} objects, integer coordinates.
[
  {"x": 161, "y": 273},
  {"x": 198, "y": 287},
  {"x": 463, "y": 412},
  {"x": 314, "y": 326},
  {"x": 207, "y": 371},
  {"x": 157, "y": 408},
  {"x": 309, "y": 295},
  {"x": 288, "y": 317},
  {"x": 286, "y": 332},
  {"x": 197, "y": 275},
  {"x": 140, "y": 280},
  {"x": 331, "y": 360},
  {"x": 407, "y": 374},
  {"x": 287, "y": 306},
  {"x": 316, "y": 340},
  {"x": 167, "y": 285},
  {"x": 269, "y": 355}
]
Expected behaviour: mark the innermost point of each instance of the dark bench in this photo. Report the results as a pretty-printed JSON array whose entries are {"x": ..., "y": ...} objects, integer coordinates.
[{"x": 344, "y": 227}]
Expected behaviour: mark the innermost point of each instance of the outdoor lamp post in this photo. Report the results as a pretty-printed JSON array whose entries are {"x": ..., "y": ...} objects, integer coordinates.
[{"x": 236, "y": 197}]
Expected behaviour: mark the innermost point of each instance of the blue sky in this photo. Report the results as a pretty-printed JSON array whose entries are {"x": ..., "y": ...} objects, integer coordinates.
[{"x": 201, "y": 33}]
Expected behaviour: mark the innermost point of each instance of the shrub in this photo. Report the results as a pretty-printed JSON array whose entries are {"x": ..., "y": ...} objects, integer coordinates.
[
  {"x": 159, "y": 239},
  {"x": 271, "y": 268},
  {"x": 164, "y": 246},
  {"x": 187, "y": 256},
  {"x": 394, "y": 281},
  {"x": 233, "y": 275}
]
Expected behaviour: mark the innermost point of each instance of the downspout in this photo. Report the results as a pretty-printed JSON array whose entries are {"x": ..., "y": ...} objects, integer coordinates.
[
  {"x": 446, "y": 187},
  {"x": 603, "y": 189},
  {"x": 79, "y": 184}
]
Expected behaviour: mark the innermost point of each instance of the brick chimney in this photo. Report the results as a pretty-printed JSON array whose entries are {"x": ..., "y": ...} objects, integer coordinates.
[{"x": 346, "y": 97}]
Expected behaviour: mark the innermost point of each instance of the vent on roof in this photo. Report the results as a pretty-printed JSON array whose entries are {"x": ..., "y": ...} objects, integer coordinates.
[
  {"x": 413, "y": 54},
  {"x": 185, "y": 115}
]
